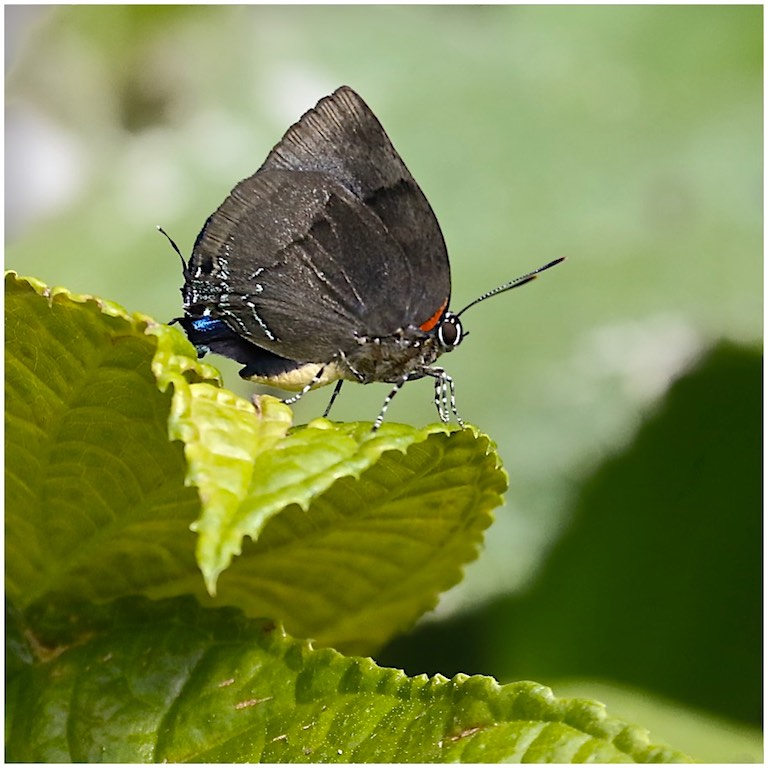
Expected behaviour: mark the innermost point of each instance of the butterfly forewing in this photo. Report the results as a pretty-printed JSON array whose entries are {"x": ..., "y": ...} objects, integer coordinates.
[
  {"x": 340, "y": 136},
  {"x": 331, "y": 240}
]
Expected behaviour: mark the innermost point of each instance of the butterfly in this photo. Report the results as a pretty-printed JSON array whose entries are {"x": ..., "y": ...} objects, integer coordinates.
[{"x": 328, "y": 265}]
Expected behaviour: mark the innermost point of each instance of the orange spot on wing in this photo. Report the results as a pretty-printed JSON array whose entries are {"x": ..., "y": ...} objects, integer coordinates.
[{"x": 428, "y": 325}]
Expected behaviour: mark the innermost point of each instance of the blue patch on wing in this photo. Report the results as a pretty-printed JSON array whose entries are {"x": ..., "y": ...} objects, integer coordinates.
[
  {"x": 205, "y": 327},
  {"x": 211, "y": 334}
]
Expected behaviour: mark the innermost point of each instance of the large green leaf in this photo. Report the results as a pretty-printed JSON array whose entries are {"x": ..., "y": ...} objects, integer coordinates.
[
  {"x": 371, "y": 552},
  {"x": 95, "y": 500},
  {"x": 349, "y": 535},
  {"x": 167, "y": 681}
]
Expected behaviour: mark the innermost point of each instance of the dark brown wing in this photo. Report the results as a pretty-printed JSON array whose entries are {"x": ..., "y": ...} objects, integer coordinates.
[
  {"x": 330, "y": 240},
  {"x": 295, "y": 263},
  {"x": 340, "y": 136}
]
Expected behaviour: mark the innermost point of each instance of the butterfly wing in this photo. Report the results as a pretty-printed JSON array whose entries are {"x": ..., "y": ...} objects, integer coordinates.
[
  {"x": 296, "y": 264},
  {"x": 342, "y": 137},
  {"x": 331, "y": 239}
]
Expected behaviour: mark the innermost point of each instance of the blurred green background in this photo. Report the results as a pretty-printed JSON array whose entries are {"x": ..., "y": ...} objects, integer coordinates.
[{"x": 626, "y": 138}]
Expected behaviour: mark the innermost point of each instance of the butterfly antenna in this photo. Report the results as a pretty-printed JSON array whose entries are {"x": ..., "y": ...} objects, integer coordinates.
[
  {"x": 175, "y": 248},
  {"x": 516, "y": 283}
]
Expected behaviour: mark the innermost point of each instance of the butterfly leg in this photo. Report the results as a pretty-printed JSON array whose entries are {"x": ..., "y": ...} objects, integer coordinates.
[
  {"x": 295, "y": 398},
  {"x": 445, "y": 396},
  {"x": 380, "y": 418},
  {"x": 336, "y": 391}
]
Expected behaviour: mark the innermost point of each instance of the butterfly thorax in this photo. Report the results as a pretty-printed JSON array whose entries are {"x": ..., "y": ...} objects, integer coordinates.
[{"x": 391, "y": 358}]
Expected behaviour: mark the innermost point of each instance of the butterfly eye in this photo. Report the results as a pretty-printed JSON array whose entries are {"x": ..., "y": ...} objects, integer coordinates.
[{"x": 450, "y": 332}]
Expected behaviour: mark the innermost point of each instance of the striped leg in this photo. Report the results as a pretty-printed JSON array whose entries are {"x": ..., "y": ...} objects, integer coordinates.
[
  {"x": 295, "y": 398},
  {"x": 380, "y": 418},
  {"x": 336, "y": 391},
  {"x": 445, "y": 396}
]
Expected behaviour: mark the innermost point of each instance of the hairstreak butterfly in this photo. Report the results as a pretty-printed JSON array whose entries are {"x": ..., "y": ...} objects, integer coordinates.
[{"x": 328, "y": 264}]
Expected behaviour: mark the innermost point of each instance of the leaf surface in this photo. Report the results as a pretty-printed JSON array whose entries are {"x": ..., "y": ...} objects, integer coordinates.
[{"x": 145, "y": 681}]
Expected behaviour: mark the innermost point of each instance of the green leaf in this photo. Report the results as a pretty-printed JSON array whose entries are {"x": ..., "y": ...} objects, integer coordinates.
[
  {"x": 344, "y": 535},
  {"x": 143, "y": 681},
  {"x": 371, "y": 553},
  {"x": 95, "y": 501}
]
